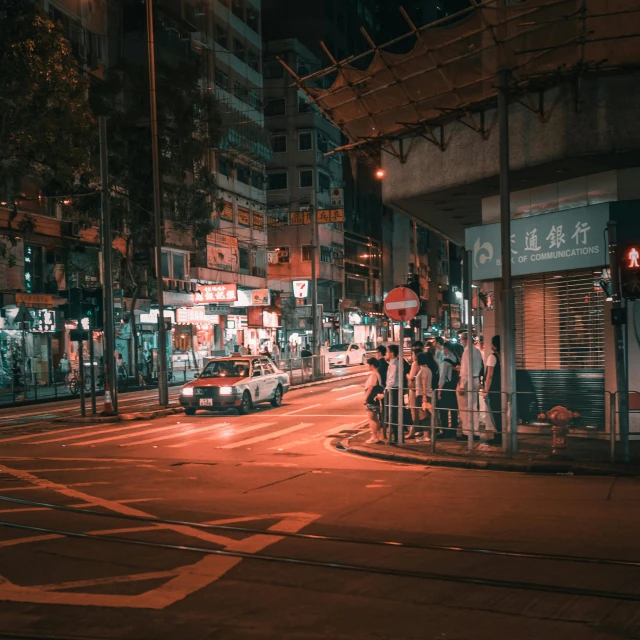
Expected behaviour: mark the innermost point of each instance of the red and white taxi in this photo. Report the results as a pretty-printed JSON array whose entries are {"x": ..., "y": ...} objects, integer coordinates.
[{"x": 237, "y": 381}]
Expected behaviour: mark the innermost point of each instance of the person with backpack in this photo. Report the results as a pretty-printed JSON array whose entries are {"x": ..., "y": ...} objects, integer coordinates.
[{"x": 447, "y": 401}]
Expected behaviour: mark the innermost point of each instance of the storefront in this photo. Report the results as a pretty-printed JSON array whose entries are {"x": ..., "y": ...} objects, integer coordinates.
[
  {"x": 193, "y": 336},
  {"x": 557, "y": 262}
]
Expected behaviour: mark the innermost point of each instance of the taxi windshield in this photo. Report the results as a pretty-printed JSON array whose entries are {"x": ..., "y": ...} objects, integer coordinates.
[
  {"x": 226, "y": 369},
  {"x": 339, "y": 347}
]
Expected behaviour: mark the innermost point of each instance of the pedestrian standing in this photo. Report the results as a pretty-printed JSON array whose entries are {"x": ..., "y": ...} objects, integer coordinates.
[
  {"x": 394, "y": 372},
  {"x": 447, "y": 401},
  {"x": 65, "y": 368},
  {"x": 372, "y": 390},
  {"x": 493, "y": 387},
  {"x": 439, "y": 355},
  {"x": 142, "y": 368},
  {"x": 424, "y": 393},
  {"x": 381, "y": 353},
  {"x": 470, "y": 368}
]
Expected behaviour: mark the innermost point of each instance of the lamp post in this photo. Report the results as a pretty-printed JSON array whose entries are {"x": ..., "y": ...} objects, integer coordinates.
[{"x": 163, "y": 391}]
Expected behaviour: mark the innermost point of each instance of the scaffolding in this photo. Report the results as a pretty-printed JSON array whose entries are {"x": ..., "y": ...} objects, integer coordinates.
[{"x": 451, "y": 71}]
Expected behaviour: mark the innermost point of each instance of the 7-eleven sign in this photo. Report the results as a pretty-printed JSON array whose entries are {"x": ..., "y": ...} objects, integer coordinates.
[{"x": 300, "y": 288}]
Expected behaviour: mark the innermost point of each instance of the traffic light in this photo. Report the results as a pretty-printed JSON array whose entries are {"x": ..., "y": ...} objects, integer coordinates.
[
  {"x": 630, "y": 271},
  {"x": 93, "y": 307}
]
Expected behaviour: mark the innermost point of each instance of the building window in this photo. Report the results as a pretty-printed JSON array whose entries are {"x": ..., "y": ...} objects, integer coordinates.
[
  {"x": 324, "y": 182},
  {"x": 279, "y": 143},
  {"x": 222, "y": 79},
  {"x": 243, "y": 173},
  {"x": 253, "y": 60},
  {"x": 224, "y": 166},
  {"x": 238, "y": 49},
  {"x": 253, "y": 20},
  {"x": 254, "y": 99},
  {"x": 244, "y": 259},
  {"x": 303, "y": 68},
  {"x": 323, "y": 143},
  {"x": 240, "y": 90},
  {"x": 238, "y": 9},
  {"x": 338, "y": 255},
  {"x": 257, "y": 180},
  {"x": 174, "y": 264},
  {"x": 306, "y": 253},
  {"x": 221, "y": 36},
  {"x": 304, "y": 106},
  {"x": 305, "y": 141},
  {"x": 277, "y": 181},
  {"x": 275, "y": 107},
  {"x": 273, "y": 70},
  {"x": 306, "y": 178},
  {"x": 325, "y": 254}
]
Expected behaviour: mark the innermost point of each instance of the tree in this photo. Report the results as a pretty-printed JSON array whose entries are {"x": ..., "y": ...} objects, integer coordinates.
[
  {"x": 188, "y": 126},
  {"x": 46, "y": 125}
]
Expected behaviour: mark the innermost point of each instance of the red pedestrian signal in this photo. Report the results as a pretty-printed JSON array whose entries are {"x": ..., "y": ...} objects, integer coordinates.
[{"x": 630, "y": 271}]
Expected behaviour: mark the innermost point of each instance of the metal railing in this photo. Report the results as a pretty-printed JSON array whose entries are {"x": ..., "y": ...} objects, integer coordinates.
[
  {"x": 453, "y": 426},
  {"x": 302, "y": 370}
]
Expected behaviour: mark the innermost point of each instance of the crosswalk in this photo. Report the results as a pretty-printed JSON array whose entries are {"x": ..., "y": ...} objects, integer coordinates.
[{"x": 286, "y": 433}]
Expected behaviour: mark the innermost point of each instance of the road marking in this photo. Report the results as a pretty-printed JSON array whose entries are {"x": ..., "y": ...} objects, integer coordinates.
[
  {"x": 46, "y": 433},
  {"x": 349, "y": 386},
  {"x": 317, "y": 436},
  {"x": 219, "y": 436},
  {"x": 313, "y": 406},
  {"x": 126, "y": 435},
  {"x": 65, "y": 469},
  {"x": 353, "y": 395},
  {"x": 272, "y": 435},
  {"x": 88, "y": 433},
  {"x": 186, "y": 433}
]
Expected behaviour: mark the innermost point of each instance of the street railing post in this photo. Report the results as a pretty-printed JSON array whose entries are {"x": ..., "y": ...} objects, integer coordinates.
[
  {"x": 612, "y": 426},
  {"x": 401, "y": 386},
  {"x": 433, "y": 420}
]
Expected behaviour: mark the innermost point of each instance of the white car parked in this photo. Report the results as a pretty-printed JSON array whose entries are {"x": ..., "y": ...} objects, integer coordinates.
[{"x": 343, "y": 355}]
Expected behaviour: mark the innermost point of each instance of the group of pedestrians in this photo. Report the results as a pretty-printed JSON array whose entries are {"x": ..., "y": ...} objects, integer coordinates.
[{"x": 453, "y": 377}]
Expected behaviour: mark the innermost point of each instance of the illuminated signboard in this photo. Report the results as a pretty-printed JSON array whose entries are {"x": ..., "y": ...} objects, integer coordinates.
[
  {"x": 300, "y": 288},
  {"x": 208, "y": 293}
]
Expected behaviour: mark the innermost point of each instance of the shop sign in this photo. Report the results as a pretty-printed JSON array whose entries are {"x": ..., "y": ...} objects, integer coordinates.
[
  {"x": 177, "y": 299},
  {"x": 195, "y": 315},
  {"x": 326, "y": 216},
  {"x": 219, "y": 309},
  {"x": 243, "y": 217},
  {"x": 260, "y": 298},
  {"x": 258, "y": 221},
  {"x": 271, "y": 320},
  {"x": 571, "y": 239},
  {"x": 254, "y": 317},
  {"x": 152, "y": 316},
  {"x": 300, "y": 288},
  {"x": 216, "y": 293},
  {"x": 44, "y": 321},
  {"x": 227, "y": 212},
  {"x": 34, "y": 299},
  {"x": 337, "y": 197},
  {"x": 354, "y": 318},
  {"x": 222, "y": 252}
]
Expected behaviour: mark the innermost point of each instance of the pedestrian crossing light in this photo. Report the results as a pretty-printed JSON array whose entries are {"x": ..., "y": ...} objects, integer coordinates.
[{"x": 630, "y": 271}]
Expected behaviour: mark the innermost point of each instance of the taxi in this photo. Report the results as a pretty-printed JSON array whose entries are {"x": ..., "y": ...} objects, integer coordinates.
[{"x": 237, "y": 381}]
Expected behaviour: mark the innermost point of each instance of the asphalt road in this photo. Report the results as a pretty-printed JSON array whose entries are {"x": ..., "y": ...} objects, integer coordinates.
[{"x": 144, "y": 548}]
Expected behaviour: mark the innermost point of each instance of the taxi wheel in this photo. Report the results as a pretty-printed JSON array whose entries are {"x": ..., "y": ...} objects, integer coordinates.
[
  {"x": 277, "y": 397},
  {"x": 190, "y": 412},
  {"x": 245, "y": 405}
]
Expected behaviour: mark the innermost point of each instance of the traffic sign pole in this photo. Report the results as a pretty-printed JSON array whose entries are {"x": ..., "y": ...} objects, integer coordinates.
[{"x": 401, "y": 386}]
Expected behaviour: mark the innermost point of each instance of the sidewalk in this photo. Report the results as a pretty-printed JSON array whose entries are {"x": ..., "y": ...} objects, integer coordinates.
[{"x": 583, "y": 456}]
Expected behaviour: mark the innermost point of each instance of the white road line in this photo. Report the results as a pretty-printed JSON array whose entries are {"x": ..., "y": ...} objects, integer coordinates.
[
  {"x": 353, "y": 395},
  {"x": 89, "y": 433},
  {"x": 349, "y": 386},
  {"x": 317, "y": 436},
  {"x": 127, "y": 435},
  {"x": 183, "y": 434},
  {"x": 224, "y": 434},
  {"x": 50, "y": 432},
  {"x": 313, "y": 406},
  {"x": 272, "y": 435}
]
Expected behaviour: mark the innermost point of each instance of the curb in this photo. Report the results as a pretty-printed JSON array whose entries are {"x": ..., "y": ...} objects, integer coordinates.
[
  {"x": 541, "y": 467},
  {"x": 123, "y": 417}
]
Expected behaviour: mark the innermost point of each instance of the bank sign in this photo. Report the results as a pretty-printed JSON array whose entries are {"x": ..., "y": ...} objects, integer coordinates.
[{"x": 562, "y": 241}]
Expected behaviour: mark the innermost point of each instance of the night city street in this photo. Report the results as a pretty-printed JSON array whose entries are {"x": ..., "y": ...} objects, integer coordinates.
[{"x": 319, "y": 320}]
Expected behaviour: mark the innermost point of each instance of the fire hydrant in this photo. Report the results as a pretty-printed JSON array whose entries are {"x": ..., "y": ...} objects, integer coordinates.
[{"x": 560, "y": 419}]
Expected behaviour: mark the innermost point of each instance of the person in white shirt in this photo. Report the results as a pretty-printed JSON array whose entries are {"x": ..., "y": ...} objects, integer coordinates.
[
  {"x": 371, "y": 392},
  {"x": 468, "y": 400}
]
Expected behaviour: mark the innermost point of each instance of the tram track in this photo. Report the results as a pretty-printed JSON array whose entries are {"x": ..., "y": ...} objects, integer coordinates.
[{"x": 321, "y": 564}]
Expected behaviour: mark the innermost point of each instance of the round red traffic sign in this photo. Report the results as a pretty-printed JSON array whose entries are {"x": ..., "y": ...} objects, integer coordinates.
[{"x": 402, "y": 304}]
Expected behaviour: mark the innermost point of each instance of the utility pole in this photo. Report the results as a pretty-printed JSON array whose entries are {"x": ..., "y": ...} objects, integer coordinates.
[
  {"x": 507, "y": 299},
  {"x": 163, "y": 391},
  {"x": 107, "y": 241},
  {"x": 618, "y": 319},
  {"x": 315, "y": 349}
]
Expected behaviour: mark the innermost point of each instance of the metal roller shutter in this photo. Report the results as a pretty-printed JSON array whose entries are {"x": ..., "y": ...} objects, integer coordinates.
[{"x": 560, "y": 344}]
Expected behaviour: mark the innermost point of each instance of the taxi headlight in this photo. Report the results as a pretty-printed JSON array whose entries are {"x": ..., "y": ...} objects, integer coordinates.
[
  {"x": 187, "y": 391},
  {"x": 226, "y": 391}
]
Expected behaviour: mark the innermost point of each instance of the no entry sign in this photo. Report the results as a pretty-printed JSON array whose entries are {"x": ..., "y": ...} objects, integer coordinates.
[{"x": 402, "y": 304}]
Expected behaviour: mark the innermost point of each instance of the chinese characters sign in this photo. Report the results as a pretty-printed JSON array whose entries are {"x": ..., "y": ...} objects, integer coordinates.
[
  {"x": 325, "y": 216},
  {"x": 208, "y": 293},
  {"x": 561, "y": 241},
  {"x": 243, "y": 217}
]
